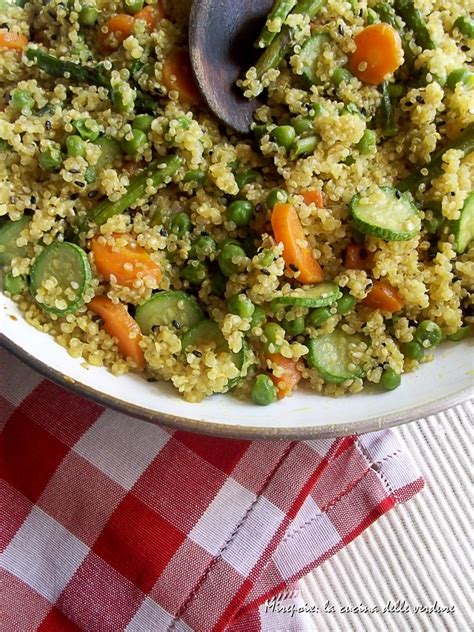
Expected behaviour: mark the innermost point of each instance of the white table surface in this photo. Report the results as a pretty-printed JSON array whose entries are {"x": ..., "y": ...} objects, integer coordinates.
[{"x": 419, "y": 554}]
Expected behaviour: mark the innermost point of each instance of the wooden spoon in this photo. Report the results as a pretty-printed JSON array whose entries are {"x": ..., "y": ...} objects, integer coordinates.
[{"x": 221, "y": 45}]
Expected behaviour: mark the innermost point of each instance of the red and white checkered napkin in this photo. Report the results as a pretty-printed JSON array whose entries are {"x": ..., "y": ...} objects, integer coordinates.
[{"x": 108, "y": 523}]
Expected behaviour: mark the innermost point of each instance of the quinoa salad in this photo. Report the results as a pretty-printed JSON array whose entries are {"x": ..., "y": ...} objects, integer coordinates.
[{"x": 328, "y": 249}]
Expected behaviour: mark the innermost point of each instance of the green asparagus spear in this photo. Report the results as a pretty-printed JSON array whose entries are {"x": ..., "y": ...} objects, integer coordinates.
[
  {"x": 388, "y": 15},
  {"x": 157, "y": 172},
  {"x": 93, "y": 75},
  {"x": 464, "y": 143},
  {"x": 280, "y": 11},
  {"x": 386, "y": 112},
  {"x": 414, "y": 20},
  {"x": 281, "y": 45}
]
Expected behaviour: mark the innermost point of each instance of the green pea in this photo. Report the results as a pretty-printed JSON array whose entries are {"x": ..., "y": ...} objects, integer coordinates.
[
  {"x": 88, "y": 129},
  {"x": 241, "y": 305},
  {"x": 460, "y": 334},
  {"x": 258, "y": 317},
  {"x": 135, "y": 144},
  {"x": 240, "y": 212},
  {"x": 259, "y": 131},
  {"x": 367, "y": 142},
  {"x": 465, "y": 25},
  {"x": 284, "y": 136},
  {"x": 181, "y": 224},
  {"x": 218, "y": 283},
  {"x": 304, "y": 145},
  {"x": 428, "y": 334},
  {"x": 22, "y": 100},
  {"x": 341, "y": 75},
  {"x": 194, "y": 272},
  {"x": 460, "y": 75},
  {"x": 390, "y": 380},
  {"x": 302, "y": 125},
  {"x": 51, "y": 158},
  {"x": 345, "y": 304},
  {"x": 294, "y": 327},
  {"x": 143, "y": 122},
  {"x": 317, "y": 109},
  {"x": 14, "y": 284},
  {"x": 202, "y": 247},
  {"x": 75, "y": 146},
  {"x": 231, "y": 259},
  {"x": 276, "y": 196},
  {"x": 88, "y": 16},
  {"x": 412, "y": 350},
  {"x": 246, "y": 177},
  {"x": 319, "y": 316},
  {"x": 133, "y": 6},
  {"x": 197, "y": 176},
  {"x": 263, "y": 392},
  {"x": 274, "y": 335}
]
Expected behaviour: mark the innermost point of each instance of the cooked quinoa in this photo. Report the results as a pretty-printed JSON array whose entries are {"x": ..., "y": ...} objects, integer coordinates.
[{"x": 329, "y": 248}]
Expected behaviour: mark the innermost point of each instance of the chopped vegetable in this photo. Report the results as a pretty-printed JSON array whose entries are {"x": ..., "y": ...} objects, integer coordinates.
[
  {"x": 118, "y": 323},
  {"x": 151, "y": 14},
  {"x": 170, "y": 309},
  {"x": 125, "y": 263},
  {"x": 460, "y": 75},
  {"x": 279, "y": 12},
  {"x": 463, "y": 228},
  {"x": 60, "y": 276},
  {"x": 388, "y": 125},
  {"x": 263, "y": 391},
  {"x": 10, "y": 232},
  {"x": 13, "y": 41},
  {"x": 313, "y": 196},
  {"x": 14, "y": 284},
  {"x": 465, "y": 25},
  {"x": 385, "y": 297},
  {"x": 357, "y": 257},
  {"x": 291, "y": 375},
  {"x": 390, "y": 380},
  {"x": 178, "y": 76},
  {"x": 378, "y": 53},
  {"x": 115, "y": 31},
  {"x": 297, "y": 253},
  {"x": 388, "y": 15},
  {"x": 310, "y": 54},
  {"x": 392, "y": 216},
  {"x": 428, "y": 334},
  {"x": 331, "y": 355},
  {"x": 315, "y": 296},
  {"x": 414, "y": 20}
]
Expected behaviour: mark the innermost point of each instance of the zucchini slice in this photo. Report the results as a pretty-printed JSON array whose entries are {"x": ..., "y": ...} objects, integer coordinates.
[
  {"x": 69, "y": 266},
  {"x": 310, "y": 296},
  {"x": 170, "y": 308},
  {"x": 392, "y": 217},
  {"x": 330, "y": 355},
  {"x": 9, "y": 233},
  {"x": 309, "y": 55},
  {"x": 463, "y": 228}
]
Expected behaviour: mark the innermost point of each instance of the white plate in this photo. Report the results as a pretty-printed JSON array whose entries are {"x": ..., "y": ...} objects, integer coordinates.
[{"x": 437, "y": 385}]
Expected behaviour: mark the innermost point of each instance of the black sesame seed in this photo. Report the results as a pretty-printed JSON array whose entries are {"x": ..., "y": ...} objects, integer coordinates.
[
  {"x": 197, "y": 353},
  {"x": 74, "y": 170},
  {"x": 79, "y": 183},
  {"x": 420, "y": 99},
  {"x": 33, "y": 199},
  {"x": 163, "y": 232},
  {"x": 452, "y": 193},
  {"x": 48, "y": 124},
  {"x": 204, "y": 233},
  {"x": 340, "y": 29},
  {"x": 265, "y": 272},
  {"x": 4, "y": 26},
  {"x": 74, "y": 196},
  {"x": 398, "y": 194},
  {"x": 465, "y": 48},
  {"x": 176, "y": 324},
  {"x": 12, "y": 199},
  {"x": 293, "y": 267},
  {"x": 92, "y": 194},
  {"x": 151, "y": 379}
]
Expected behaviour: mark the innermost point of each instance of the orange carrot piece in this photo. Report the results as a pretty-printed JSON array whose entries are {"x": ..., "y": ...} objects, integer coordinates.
[
  {"x": 129, "y": 263},
  {"x": 287, "y": 382},
  {"x": 151, "y": 15},
  {"x": 313, "y": 197},
  {"x": 13, "y": 41},
  {"x": 178, "y": 76},
  {"x": 120, "y": 325},
  {"x": 385, "y": 297},
  {"x": 287, "y": 230},
  {"x": 377, "y": 55},
  {"x": 357, "y": 257},
  {"x": 115, "y": 31}
]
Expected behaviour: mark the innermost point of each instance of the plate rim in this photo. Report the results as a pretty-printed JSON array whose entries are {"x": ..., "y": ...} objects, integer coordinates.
[{"x": 201, "y": 426}]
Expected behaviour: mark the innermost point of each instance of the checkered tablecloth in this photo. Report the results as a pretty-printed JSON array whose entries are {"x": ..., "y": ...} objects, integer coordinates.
[{"x": 109, "y": 523}]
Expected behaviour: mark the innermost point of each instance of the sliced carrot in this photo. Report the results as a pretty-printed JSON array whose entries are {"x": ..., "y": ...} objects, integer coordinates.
[
  {"x": 115, "y": 31},
  {"x": 12, "y": 41},
  {"x": 120, "y": 325},
  {"x": 377, "y": 55},
  {"x": 151, "y": 15},
  {"x": 287, "y": 230},
  {"x": 357, "y": 257},
  {"x": 313, "y": 197},
  {"x": 127, "y": 264},
  {"x": 385, "y": 297},
  {"x": 177, "y": 75},
  {"x": 288, "y": 380}
]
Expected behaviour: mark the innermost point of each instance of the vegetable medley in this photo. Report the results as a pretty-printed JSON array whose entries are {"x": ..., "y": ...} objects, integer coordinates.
[{"x": 329, "y": 249}]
